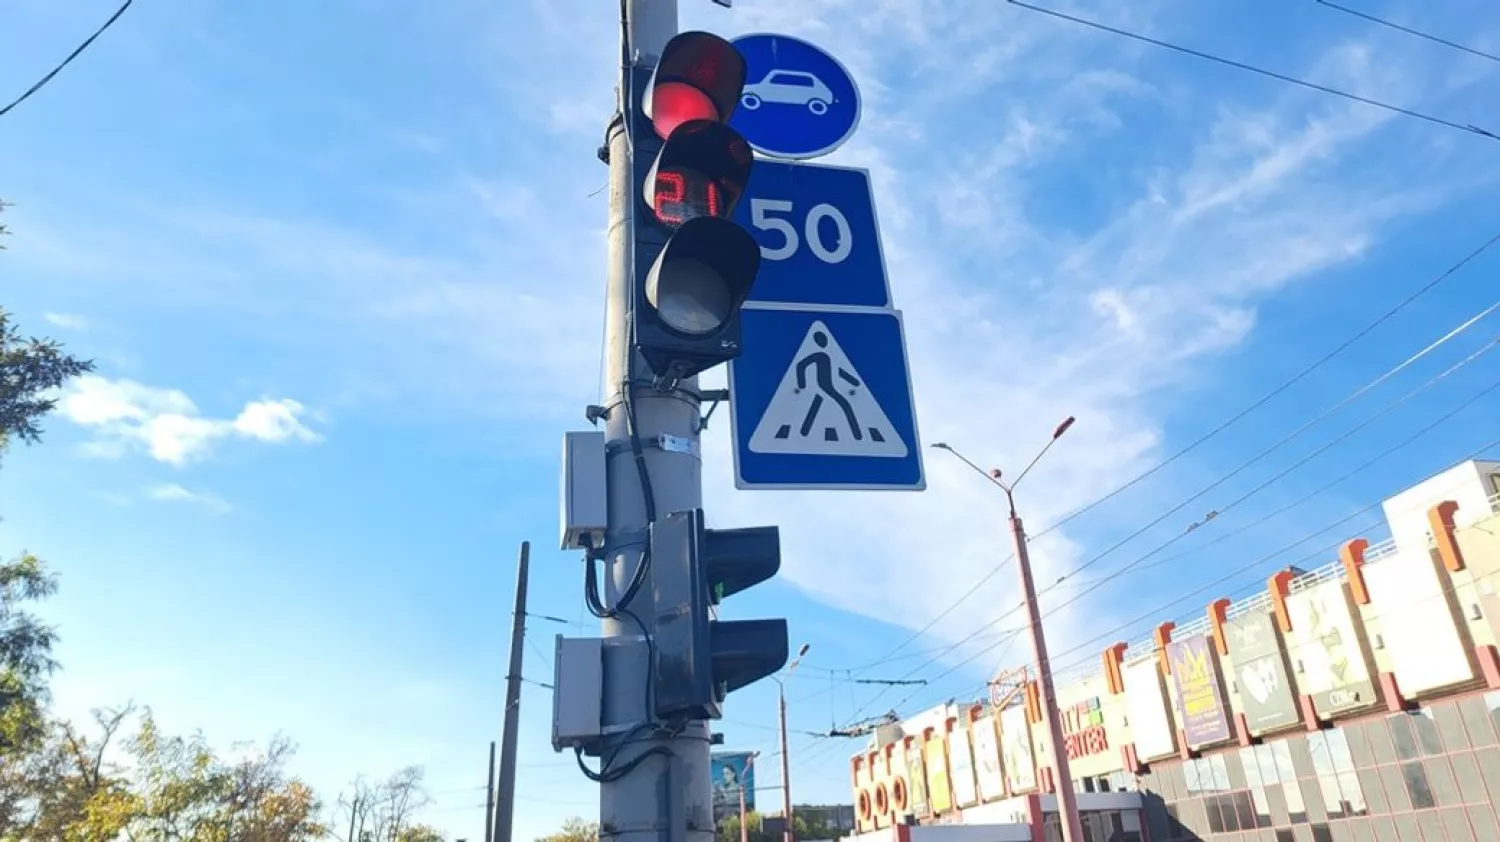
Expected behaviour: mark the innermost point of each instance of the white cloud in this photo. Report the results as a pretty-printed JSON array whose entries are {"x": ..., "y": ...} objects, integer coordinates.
[
  {"x": 66, "y": 321},
  {"x": 174, "y": 493},
  {"x": 166, "y": 423}
]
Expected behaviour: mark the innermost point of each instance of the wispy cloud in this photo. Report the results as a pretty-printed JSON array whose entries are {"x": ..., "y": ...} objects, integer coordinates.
[
  {"x": 174, "y": 493},
  {"x": 126, "y": 415},
  {"x": 66, "y": 321}
]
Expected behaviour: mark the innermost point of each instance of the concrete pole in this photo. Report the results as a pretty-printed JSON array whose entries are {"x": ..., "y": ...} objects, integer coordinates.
[
  {"x": 665, "y": 799},
  {"x": 788, "y": 833},
  {"x": 1067, "y": 800},
  {"x": 505, "y": 793}
]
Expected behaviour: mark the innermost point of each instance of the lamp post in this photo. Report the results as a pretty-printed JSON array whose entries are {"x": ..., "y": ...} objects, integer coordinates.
[
  {"x": 1067, "y": 803},
  {"x": 787, "y": 834},
  {"x": 744, "y": 780}
]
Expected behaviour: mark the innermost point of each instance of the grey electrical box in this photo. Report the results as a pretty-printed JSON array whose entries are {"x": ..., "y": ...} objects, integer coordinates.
[
  {"x": 577, "y": 697},
  {"x": 584, "y": 495}
]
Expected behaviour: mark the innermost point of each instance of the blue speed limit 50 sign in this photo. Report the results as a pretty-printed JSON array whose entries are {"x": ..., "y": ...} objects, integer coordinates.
[
  {"x": 798, "y": 102},
  {"x": 818, "y": 235}
]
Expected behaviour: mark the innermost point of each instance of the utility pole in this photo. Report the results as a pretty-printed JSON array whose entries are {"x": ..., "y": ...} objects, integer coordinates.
[
  {"x": 788, "y": 833},
  {"x": 651, "y": 440},
  {"x": 505, "y": 797},
  {"x": 489, "y": 799},
  {"x": 748, "y": 776},
  {"x": 1067, "y": 799}
]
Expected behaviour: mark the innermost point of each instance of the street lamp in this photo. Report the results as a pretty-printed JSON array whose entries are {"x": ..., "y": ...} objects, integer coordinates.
[
  {"x": 1067, "y": 803},
  {"x": 744, "y": 781},
  {"x": 786, "y": 780}
]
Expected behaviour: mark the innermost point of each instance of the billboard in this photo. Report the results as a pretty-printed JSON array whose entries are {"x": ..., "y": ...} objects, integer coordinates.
[
  {"x": 733, "y": 774},
  {"x": 1015, "y": 750},
  {"x": 916, "y": 780},
  {"x": 1200, "y": 698},
  {"x": 987, "y": 759},
  {"x": 1146, "y": 707},
  {"x": 961, "y": 765},
  {"x": 1327, "y": 650},
  {"x": 1411, "y": 602},
  {"x": 939, "y": 794},
  {"x": 1267, "y": 697}
]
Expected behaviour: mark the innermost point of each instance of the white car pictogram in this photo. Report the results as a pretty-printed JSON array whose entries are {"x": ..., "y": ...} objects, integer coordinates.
[{"x": 788, "y": 87}]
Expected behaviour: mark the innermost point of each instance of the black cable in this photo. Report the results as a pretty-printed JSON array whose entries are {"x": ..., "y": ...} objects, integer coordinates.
[
  {"x": 1221, "y": 427},
  {"x": 1125, "y": 33},
  {"x": 1270, "y": 556},
  {"x": 1093, "y": 586},
  {"x": 1409, "y": 31},
  {"x": 69, "y": 60}
]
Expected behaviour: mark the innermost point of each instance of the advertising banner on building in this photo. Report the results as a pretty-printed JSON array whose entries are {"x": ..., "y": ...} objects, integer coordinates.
[
  {"x": 916, "y": 780},
  {"x": 1146, "y": 706},
  {"x": 1268, "y": 698},
  {"x": 1091, "y": 723},
  {"x": 961, "y": 765},
  {"x": 1328, "y": 646},
  {"x": 939, "y": 793},
  {"x": 1016, "y": 753},
  {"x": 733, "y": 774},
  {"x": 1200, "y": 697},
  {"x": 1410, "y": 600},
  {"x": 987, "y": 770}
]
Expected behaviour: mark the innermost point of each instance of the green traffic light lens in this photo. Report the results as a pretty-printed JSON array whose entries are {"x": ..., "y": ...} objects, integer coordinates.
[{"x": 691, "y": 297}]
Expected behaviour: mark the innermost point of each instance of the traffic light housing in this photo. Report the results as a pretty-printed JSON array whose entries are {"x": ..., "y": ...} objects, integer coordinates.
[
  {"x": 693, "y": 266},
  {"x": 697, "y": 660}
]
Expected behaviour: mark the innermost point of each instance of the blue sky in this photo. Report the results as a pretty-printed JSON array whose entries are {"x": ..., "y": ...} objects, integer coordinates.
[{"x": 340, "y": 265}]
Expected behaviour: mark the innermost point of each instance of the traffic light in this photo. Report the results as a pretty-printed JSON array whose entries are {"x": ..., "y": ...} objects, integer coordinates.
[
  {"x": 697, "y": 659},
  {"x": 693, "y": 266}
]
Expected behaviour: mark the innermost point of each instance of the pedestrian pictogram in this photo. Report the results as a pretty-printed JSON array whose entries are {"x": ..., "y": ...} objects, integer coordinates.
[{"x": 823, "y": 407}]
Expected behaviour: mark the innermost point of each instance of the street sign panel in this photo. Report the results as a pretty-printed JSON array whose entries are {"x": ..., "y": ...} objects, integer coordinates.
[
  {"x": 799, "y": 102},
  {"x": 818, "y": 234},
  {"x": 822, "y": 398}
]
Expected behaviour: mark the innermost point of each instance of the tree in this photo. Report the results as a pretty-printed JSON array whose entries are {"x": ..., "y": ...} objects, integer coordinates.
[
  {"x": 576, "y": 830},
  {"x": 25, "y": 653},
  {"x": 420, "y": 833},
  {"x": 30, "y": 369},
  {"x": 67, "y": 789},
  {"x": 187, "y": 793}
]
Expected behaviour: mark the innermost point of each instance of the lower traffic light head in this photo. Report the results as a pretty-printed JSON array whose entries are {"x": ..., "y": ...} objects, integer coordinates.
[{"x": 695, "y": 289}]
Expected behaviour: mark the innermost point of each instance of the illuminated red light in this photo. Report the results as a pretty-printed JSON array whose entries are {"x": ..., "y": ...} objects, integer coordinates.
[{"x": 675, "y": 103}]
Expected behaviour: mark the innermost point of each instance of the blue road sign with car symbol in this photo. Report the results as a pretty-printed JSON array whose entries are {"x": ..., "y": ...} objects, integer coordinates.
[
  {"x": 798, "y": 102},
  {"x": 818, "y": 234}
]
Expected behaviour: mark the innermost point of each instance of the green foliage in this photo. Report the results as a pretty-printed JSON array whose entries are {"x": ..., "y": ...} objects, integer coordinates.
[
  {"x": 30, "y": 369},
  {"x": 807, "y": 826},
  {"x": 25, "y": 652},
  {"x": 575, "y": 830},
  {"x": 420, "y": 833}
]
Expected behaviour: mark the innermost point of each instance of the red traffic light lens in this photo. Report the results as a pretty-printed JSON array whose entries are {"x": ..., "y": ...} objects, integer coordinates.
[{"x": 675, "y": 103}]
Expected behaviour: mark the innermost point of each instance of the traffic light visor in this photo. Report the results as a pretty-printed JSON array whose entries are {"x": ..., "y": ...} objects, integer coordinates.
[
  {"x": 702, "y": 275},
  {"x": 699, "y": 77}
]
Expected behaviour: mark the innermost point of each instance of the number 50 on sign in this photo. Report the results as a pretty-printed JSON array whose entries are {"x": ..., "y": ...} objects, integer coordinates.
[{"x": 818, "y": 235}]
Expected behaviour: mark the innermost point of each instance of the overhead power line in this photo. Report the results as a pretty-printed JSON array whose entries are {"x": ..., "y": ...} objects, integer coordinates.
[
  {"x": 1467, "y": 128},
  {"x": 1261, "y": 561},
  {"x": 41, "y": 83},
  {"x": 1213, "y": 514},
  {"x": 1427, "y": 287},
  {"x": 1408, "y": 30}
]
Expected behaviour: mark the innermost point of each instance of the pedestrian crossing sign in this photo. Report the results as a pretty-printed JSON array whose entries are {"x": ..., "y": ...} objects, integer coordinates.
[{"x": 821, "y": 398}]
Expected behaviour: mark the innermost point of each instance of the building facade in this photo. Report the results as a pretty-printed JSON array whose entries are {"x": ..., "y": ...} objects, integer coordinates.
[{"x": 1357, "y": 702}]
